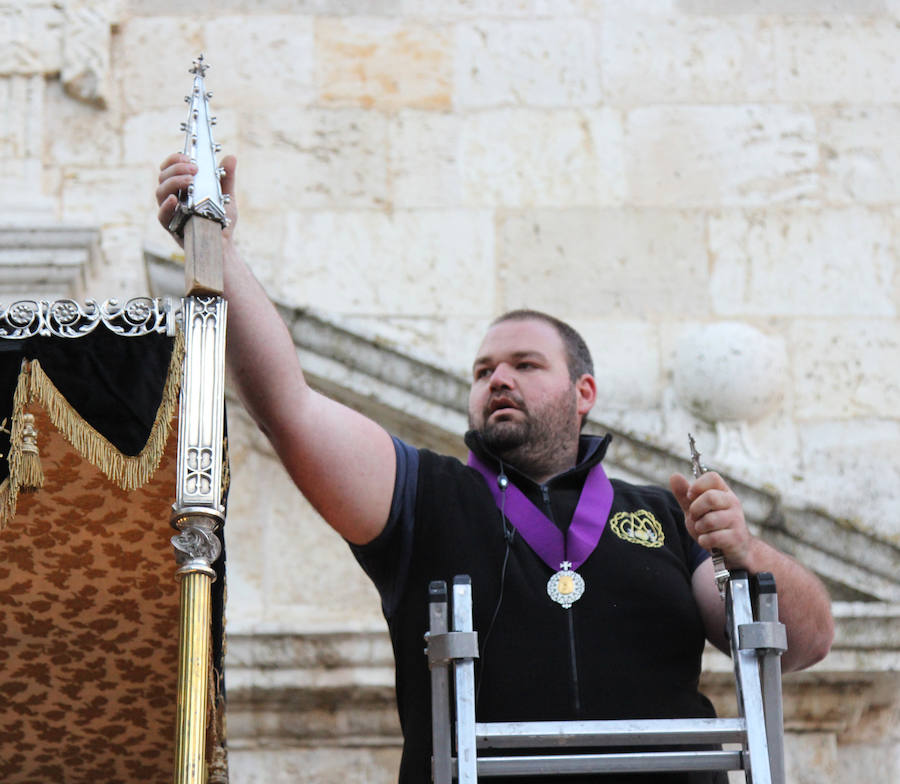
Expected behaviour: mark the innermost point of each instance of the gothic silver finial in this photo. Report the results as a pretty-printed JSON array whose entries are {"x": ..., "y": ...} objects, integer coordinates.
[
  {"x": 204, "y": 198},
  {"x": 199, "y": 68}
]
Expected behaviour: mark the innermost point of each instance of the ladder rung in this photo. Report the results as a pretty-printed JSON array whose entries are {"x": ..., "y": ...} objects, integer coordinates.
[
  {"x": 643, "y": 762},
  {"x": 625, "y": 732}
]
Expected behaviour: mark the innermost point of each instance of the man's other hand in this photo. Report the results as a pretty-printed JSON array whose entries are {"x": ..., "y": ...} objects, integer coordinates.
[{"x": 714, "y": 516}]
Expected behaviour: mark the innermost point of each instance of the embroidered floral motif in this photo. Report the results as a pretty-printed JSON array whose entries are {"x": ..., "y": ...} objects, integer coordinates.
[{"x": 639, "y": 527}]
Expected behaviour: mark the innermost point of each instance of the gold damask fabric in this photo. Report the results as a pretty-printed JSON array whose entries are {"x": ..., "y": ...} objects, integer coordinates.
[
  {"x": 88, "y": 627},
  {"x": 89, "y": 610}
]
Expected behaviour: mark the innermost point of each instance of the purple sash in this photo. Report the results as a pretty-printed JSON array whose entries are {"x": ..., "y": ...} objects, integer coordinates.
[{"x": 538, "y": 530}]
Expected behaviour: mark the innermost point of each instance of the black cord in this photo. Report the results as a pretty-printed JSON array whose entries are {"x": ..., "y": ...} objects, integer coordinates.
[{"x": 509, "y": 534}]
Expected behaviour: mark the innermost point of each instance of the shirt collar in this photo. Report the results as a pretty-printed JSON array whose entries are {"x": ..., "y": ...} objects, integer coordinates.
[{"x": 591, "y": 450}]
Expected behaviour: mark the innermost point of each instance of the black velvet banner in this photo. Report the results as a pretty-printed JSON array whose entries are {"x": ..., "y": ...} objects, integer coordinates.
[{"x": 114, "y": 383}]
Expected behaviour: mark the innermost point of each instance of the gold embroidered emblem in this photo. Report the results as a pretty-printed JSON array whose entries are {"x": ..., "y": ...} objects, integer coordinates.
[{"x": 638, "y": 527}]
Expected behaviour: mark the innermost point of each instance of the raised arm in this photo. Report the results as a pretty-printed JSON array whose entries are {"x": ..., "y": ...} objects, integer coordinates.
[
  {"x": 715, "y": 518},
  {"x": 343, "y": 462}
]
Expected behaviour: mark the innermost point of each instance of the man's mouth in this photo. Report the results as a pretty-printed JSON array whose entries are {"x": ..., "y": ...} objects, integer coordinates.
[{"x": 502, "y": 404}]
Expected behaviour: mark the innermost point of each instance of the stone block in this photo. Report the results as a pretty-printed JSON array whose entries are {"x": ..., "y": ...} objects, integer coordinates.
[
  {"x": 157, "y": 243},
  {"x": 449, "y": 342},
  {"x": 576, "y": 263},
  {"x": 315, "y": 158},
  {"x": 383, "y": 63},
  {"x": 851, "y": 467},
  {"x": 262, "y": 60},
  {"x": 250, "y": 7},
  {"x": 467, "y": 9},
  {"x": 352, "y": 765},
  {"x": 589, "y": 9},
  {"x": 287, "y": 569},
  {"x": 860, "y": 154},
  {"x": 870, "y": 761},
  {"x": 103, "y": 196},
  {"x": 773, "y": 449},
  {"x": 424, "y": 159},
  {"x": 845, "y": 368},
  {"x": 41, "y": 260},
  {"x": 810, "y": 758},
  {"x": 406, "y": 263},
  {"x": 261, "y": 235},
  {"x": 526, "y": 157},
  {"x": 663, "y": 8},
  {"x": 539, "y": 62},
  {"x": 749, "y": 155},
  {"x": 170, "y": 45},
  {"x": 24, "y": 189},
  {"x": 817, "y": 8},
  {"x": 312, "y": 581},
  {"x": 22, "y": 116},
  {"x": 32, "y": 35},
  {"x": 802, "y": 263},
  {"x": 626, "y": 362},
  {"x": 120, "y": 273},
  {"x": 81, "y": 134},
  {"x": 657, "y": 58},
  {"x": 252, "y": 466},
  {"x": 819, "y": 60},
  {"x": 149, "y": 137}
]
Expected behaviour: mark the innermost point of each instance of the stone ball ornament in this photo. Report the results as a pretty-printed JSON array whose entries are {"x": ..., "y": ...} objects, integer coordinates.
[{"x": 729, "y": 372}]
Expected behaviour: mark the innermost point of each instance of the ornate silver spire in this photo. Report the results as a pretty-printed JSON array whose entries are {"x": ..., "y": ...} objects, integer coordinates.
[{"x": 203, "y": 197}]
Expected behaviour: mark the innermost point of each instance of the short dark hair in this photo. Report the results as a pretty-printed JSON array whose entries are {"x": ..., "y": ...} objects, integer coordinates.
[{"x": 578, "y": 356}]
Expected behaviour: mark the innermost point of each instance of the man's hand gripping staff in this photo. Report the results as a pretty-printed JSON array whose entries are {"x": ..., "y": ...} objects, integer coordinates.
[
  {"x": 713, "y": 516},
  {"x": 719, "y": 569}
]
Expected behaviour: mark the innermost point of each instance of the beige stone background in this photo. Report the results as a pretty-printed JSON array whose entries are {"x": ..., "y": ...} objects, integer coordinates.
[{"x": 410, "y": 168}]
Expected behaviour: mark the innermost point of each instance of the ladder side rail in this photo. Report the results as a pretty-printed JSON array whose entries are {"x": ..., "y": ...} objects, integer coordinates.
[
  {"x": 770, "y": 671},
  {"x": 648, "y": 762},
  {"x": 441, "y": 770},
  {"x": 747, "y": 680},
  {"x": 464, "y": 683},
  {"x": 624, "y": 732}
]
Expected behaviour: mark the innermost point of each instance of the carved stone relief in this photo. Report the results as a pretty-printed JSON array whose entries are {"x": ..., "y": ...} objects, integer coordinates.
[
  {"x": 85, "y": 51},
  {"x": 70, "y": 38}
]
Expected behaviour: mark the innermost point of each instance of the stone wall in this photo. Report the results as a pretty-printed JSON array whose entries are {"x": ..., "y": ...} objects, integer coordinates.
[
  {"x": 414, "y": 167},
  {"x": 637, "y": 168}
]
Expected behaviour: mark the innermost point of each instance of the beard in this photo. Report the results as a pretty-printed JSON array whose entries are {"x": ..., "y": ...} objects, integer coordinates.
[{"x": 538, "y": 442}]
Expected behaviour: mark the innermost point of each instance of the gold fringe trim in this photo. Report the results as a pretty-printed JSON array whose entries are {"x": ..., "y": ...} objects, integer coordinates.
[
  {"x": 5, "y": 515},
  {"x": 21, "y": 398},
  {"x": 128, "y": 472}
]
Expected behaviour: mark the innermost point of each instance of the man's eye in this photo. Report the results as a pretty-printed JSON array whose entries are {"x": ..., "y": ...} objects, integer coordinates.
[
  {"x": 482, "y": 373},
  {"x": 526, "y": 365}
]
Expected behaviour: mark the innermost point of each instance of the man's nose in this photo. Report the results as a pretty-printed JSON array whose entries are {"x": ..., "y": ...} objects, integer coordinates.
[{"x": 502, "y": 377}]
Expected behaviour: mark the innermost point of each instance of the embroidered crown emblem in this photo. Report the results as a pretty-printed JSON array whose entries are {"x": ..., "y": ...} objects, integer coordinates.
[{"x": 639, "y": 527}]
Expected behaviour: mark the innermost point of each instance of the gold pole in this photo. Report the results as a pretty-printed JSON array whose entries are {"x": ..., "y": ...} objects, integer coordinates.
[
  {"x": 197, "y": 514},
  {"x": 198, "y": 510},
  {"x": 193, "y": 678}
]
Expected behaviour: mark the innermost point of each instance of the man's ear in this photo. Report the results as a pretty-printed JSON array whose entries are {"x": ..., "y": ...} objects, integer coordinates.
[{"x": 586, "y": 394}]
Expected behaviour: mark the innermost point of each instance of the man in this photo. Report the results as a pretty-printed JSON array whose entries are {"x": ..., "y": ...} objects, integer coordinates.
[{"x": 593, "y": 598}]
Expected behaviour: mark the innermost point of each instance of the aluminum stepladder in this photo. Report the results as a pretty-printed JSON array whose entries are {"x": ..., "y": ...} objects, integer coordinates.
[{"x": 757, "y": 642}]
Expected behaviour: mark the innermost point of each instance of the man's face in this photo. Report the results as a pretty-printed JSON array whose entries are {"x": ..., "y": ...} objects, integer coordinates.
[{"x": 522, "y": 399}]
